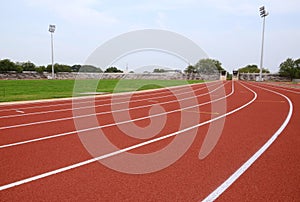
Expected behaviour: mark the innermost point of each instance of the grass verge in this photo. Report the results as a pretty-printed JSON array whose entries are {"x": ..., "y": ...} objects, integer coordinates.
[{"x": 21, "y": 90}]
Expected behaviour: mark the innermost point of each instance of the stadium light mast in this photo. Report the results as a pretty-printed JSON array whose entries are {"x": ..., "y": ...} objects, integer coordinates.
[
  {"x": 51, "y": 30},
  {"x": 263, "y": 14}
]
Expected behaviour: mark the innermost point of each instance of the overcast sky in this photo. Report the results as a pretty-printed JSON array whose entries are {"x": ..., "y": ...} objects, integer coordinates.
[{"x": 229, "y": 31}]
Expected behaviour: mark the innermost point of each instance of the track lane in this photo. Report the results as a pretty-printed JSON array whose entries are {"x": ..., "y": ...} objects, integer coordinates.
[
  {"x": 288, "y": 87},
  {"x": 275, "y": 176},
  {"x": 68, "y": 126},
  {"x": 170, "y": 128},
  {"x": 10, "y": 109},
  {"x": 182, "y": 181},
  {"x": 67, "y": 113},
  {"x": 25, "y": 151},
  {"x": 237, "y": 174},
  {"x": 276, "y": 87}
]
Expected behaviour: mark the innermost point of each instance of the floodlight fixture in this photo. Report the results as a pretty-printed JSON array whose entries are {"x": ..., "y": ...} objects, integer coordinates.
[
  {"x": 51, "y": 28},
  {"x": 263, "y": 12}
]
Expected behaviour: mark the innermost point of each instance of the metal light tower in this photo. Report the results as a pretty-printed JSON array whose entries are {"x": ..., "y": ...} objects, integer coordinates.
[
  {"x": 51, "y": 30},
  {"x": 263, "y": 14}
]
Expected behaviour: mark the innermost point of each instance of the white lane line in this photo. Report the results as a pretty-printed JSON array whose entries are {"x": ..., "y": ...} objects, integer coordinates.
[
  {"x": 152, "y": 101},
  {"x": 279, "y": 88},
  {"x": 20, "y": 111},
  {"x": 102, "y": 113},
  {"x": 84, "y": 98},
  {"x": 138, "y": 94},
  {"x": 114, "y": 124},
  {"x": 286, "y": 86},
  {"x": 87, "y": 107},
  {"x": 225, "y": 185},
  {"x": 73, "y": 166}
]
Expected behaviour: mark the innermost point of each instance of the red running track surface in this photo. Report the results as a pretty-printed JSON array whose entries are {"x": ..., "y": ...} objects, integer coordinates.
[{"x": 274, "y": 176}]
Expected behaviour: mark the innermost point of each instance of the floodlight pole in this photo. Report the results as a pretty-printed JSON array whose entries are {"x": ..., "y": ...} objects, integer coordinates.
[
  {"x": 263, "y": 14},
  {"x": 51, "y": 30}
]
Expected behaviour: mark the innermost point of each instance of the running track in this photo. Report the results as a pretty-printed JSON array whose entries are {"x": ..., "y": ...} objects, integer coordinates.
[{"x": 256, "y": 157}]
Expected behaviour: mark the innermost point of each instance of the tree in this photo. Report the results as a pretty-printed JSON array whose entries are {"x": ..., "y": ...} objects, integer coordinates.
[
  {"x": 49, "y": 68},
  {"x": 113, "y": 70},
  {"x": 159, "y": 70},
  {"x": 190, "y": 69},
  {"x": 89, "y": 68},
  {"x": 85, "y": 68},
  {"x": 290, "y": 68},
  {"x": 208, "y": 66},
  {"x": 7, "y": 65},
  {"x": 58, "y": 68},
  {"x": 252, "y": 69},
  {"x": 40, "y": 69},
  {"x": 218, "y": 64},
  {"x": 297, "y": 62},
  {"x": 64, "y": 68},
  {"x": 19, "y": 69},
  {"x": 28, "y": 66},
  {"x": 75, "y": 68}
]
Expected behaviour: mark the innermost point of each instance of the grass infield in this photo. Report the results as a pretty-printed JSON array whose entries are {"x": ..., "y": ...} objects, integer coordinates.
[{"x": 20, "y": 90}]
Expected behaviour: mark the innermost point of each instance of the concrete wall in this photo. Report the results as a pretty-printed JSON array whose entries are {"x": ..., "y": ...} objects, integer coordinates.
[
  {"x": 265, "y": 76},
  {"x": 27, "y": 75},
  {"x": 75, "y": 75},
  {"x": 296, "y": 80},
  {"x": 152, "y": 76}
]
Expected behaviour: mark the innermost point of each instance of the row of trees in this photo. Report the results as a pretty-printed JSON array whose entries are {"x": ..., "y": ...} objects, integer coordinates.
[
  {"x": 6, "y": 66},
  {"x": 252, "y": 69},
  {"x": 205, "y": 66},
  {"x": 158, "y": 70},
  {"x": 290, "y": 68}
]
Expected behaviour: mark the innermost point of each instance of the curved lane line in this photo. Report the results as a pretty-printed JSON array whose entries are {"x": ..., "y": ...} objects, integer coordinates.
[
  {"x": 73, "y": 166},
  {"x": 87, "y": 97},
  {"x": 87, "y": 107},
  {"x": 117, "y": 95},
  {"x": 225, "y": 185},
  {"x": 139, "y": 94},
  {"x": 105, "y": 112},
  {"x": 114, "y": 124},
  {"x": 280, "y": 88}
]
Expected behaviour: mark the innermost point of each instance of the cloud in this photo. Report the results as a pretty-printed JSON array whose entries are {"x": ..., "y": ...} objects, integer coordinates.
[
  {"x": 161, "y": 18},
  {"x": 75, "y": 11},
  {"x": 154, "y": 5}
]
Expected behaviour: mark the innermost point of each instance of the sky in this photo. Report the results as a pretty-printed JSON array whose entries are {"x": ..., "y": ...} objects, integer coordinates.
[{"x": 227, "y": 30}]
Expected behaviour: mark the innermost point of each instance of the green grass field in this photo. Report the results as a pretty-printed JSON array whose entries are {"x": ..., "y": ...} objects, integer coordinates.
[{"x": 17, "y": 90}]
